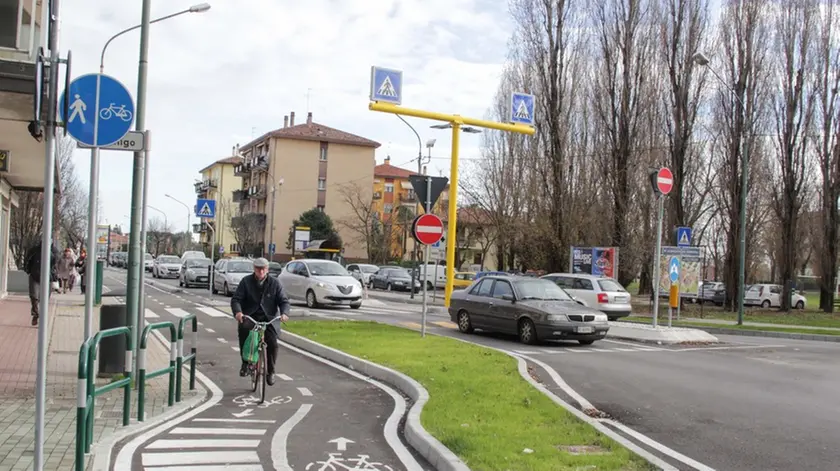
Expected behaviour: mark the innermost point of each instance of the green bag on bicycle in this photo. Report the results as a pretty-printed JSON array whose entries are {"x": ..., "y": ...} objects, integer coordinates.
[{"x": 251, "y": 349}]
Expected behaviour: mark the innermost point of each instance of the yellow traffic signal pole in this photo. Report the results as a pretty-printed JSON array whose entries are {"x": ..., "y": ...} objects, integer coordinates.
[{"x": 456, "y": 121}]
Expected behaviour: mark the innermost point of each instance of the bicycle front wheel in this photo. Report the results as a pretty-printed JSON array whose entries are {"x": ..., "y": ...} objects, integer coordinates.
[{"x": 255, "y": 375}]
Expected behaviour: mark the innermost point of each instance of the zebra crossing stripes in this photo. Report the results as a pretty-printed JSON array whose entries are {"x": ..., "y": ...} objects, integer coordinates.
[
  {"x": 576, "y": 350},
  {"x": 212, "y": 312},
  {"x": 177, "y": 312},
  {"x": 151, "y": 314}
]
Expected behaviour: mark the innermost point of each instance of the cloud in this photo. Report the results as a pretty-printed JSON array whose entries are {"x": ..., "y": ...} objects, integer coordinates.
[{"x": 225, "y": 76}]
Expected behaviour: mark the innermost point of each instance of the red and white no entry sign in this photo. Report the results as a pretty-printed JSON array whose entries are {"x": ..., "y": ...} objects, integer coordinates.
[
  {"x": 428, "y": 229},
  {"x": 664, "y": 180}
]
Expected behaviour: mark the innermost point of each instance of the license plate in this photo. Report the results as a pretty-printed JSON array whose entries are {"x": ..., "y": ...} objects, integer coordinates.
[
  {"x": 585, "y": 330},
  {"x": 621, "y": 299},
  {"x": 201, "y": 278}
]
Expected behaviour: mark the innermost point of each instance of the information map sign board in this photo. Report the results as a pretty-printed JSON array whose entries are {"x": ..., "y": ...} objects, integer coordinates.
[
  {"x": 599, "y": 261},
  {"x": 691, "y": 270}
]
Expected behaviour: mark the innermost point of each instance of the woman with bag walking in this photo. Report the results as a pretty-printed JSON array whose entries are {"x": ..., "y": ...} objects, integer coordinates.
[
  {"x": 81, "y": 267},
  {"x": 64, "y": 269}
]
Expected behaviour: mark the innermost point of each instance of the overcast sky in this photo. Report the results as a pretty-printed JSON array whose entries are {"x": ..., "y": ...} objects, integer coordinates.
[{"x": 228, "y": 75}]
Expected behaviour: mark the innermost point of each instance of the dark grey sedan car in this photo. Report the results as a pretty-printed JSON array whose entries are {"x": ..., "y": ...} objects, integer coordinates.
[{"x": 534, "y": 309}]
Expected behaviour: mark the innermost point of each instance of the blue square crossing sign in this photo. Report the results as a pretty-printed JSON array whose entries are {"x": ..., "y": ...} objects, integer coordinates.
[{"x": 205, "y": 208}]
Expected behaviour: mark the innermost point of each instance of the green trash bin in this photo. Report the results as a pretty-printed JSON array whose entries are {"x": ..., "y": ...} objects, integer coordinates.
[{"x": 111, "y": 352}]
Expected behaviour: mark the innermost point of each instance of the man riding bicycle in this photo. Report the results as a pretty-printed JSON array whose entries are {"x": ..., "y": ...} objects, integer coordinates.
[{"x": 260, "y": 296}]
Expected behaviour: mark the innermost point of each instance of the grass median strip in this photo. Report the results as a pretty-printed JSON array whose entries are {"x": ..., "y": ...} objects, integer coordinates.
[
  {"x": 778, "y": 328},
  {"x": 479, "y": 405}
]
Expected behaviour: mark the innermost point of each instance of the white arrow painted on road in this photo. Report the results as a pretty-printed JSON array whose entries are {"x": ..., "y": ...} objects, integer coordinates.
[
  {"x": 341, "y": 443},
  {"x": 245, "y": 413}
]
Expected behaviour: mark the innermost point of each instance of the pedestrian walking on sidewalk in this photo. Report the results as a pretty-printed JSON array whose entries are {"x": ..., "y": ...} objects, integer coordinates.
[
  {"x": 260, "y": 296},
  {"x": 32, "y": 266},
  {"x": 81, "y": 267},
  {"x": 65, "y": 267}
]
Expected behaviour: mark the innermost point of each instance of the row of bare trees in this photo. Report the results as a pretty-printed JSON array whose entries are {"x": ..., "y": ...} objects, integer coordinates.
[{"x": 621, "y": 90}]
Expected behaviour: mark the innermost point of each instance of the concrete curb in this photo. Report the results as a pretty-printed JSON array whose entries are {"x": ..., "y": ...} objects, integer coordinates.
[
  {"x": 424, "y": 443},
  {"x": 769, "y": 333},
  {"x": 103, "y": 450},
  {"x": 164, "y": 286},
  {"x": 417, "y": 301}
]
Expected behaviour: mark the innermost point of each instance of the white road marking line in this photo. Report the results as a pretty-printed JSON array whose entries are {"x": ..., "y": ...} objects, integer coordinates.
[
  {"x": 211, "y": 467},
  {"x": 210, "y": 330},
  {"x": 221, "y": 340},
  {"x": 658, "y": 446},
  {"x": 236, "y": 421},
  {"x": 216, "y": 431},
  {"x": 626, "y": 350},
  {"x": 151, "y": 314},
  {"x": 525, "y": 352},
  {"x": 695, "y": 349},
  {"x": 391, "y": 424},
  {"x": 235, "y": 349},
  {"x": 545, "y": 350},
  {"x": 279, "y": 454},
  {"x": 305, "y": 391},
  {"x": 284, "y": 377},
  {"x": 631, "y": 344},
  {"x": 574, "y": 350},
  {"x": 177, "y": 312},
  {"x": 200, "y": 457},
  {"x": 202, "y": 443},
  {"x": 212, "y": 312},
  {"x": 584, "y": 404},
  {"x": 200, "y": 323}
]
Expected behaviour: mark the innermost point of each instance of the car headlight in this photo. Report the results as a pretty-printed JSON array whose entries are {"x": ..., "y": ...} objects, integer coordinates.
[
  {"x": 557, "y": 318},
  {"x": 190, "y": 272},
  {"x": 323, "y": 285},
  {"x": 601, "y": 318}
]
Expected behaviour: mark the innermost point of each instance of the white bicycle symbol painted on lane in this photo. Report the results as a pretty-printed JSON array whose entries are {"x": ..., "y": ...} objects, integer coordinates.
[
  {"x": 253, "y": 401},
  {"x": 335, "y": 462},
  {"x": 114, "y": 110}
]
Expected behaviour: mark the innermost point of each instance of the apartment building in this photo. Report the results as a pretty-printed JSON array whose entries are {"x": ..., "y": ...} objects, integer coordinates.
[
  {"x": 21, "y": 154},
  {"x": 218, "y": 182},
  {"x": 296, "y": 168}
]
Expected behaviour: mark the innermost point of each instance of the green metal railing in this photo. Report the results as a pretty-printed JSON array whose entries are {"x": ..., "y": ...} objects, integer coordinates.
[
  {"x": 87, "y": 392},
  {"x": 181, "y": 358},
  {"x": 142, "y": 376}
]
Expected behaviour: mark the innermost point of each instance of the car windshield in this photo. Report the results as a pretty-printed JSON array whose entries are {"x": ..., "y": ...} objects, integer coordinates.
[
  {"x": 168, "y": 259},
  {"x": 240, "y": 267},
  {"x": 326, "y": 269},
  {"x": 399, "y": 273},
  {"x": 149, "y": 256},
  {"x": 536, "y": 288},
  {"x": 368, "y": 268},
  {"x": 611, "y": 286},
  {"x": 274, "y": 266},
  {"x": 198, "y": 263}
]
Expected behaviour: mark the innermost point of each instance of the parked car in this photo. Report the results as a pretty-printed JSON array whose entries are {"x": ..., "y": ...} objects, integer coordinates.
[
  {"x": 707, "y": 291},
  {"x": 321, "y": 282},
  {"x": 602, "y": 293},
  {"x": 393, "y": 279},
  {"x": 148, "y": 262},
  {"x": 767, "y": 296},
  {"x": 192, "y": 254},
  {"x": 229, "y": 272},
  {"x": 463, "y": 279},
  {"x": 532, "y": 308},
  {"x": 362, "y": 272},
  {"x": 166, "y": 266},
  {"x": 194, "y": 271}
]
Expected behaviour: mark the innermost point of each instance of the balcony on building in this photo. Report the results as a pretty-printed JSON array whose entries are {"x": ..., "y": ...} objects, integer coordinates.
[
  {"x": 243, "y": 169},
  {"x": 23, "y": 84},
  {"x": 377, "y": 195},
  {"x": 202, "y": 187},
  {"x": 240, "y": 196},
  {"x": 257, "y": 192},
  {"x": 201, "y": 227},
  {"x": 259, "y": 163},
  {"x": 408, "y": 197}
]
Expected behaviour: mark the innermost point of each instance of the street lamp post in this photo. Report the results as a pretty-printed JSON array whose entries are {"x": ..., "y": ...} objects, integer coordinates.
[
  {"x": 700, "y": 59},
  {"x": 140, "y": 175},
  {"x": 187, "y": 234},
  {"x": 419, "y": 170}
]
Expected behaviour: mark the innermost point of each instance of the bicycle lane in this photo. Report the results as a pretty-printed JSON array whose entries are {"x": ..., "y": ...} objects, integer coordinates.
[{"x": 317, "y": 416}]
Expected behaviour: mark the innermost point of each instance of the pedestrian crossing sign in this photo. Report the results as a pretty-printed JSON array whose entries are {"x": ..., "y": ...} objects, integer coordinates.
[
  {"x": 205, "y": 208},
  {"x": 522, "y": 108},
  {"x": 683, "y": 237},
  {"x": 386, "y": 85}
]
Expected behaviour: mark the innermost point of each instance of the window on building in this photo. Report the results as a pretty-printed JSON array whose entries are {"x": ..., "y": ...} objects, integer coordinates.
[
  {"x": 321, "y": 208},
  {"x": 389, "y": 188},
  {"x": 322, "y": 183},
  {"x": 388, "y": 208},
  {"x": 324, "y": 151}
]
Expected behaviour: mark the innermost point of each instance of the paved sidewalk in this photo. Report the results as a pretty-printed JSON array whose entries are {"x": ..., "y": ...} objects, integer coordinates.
[{"x": 18, "y": 344}]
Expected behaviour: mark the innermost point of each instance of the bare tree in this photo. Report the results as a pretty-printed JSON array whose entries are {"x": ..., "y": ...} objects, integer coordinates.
[
  {"x": 159, "y": 234},
  {"x": 827, "y": 58},
  {"x": 248, "y": 229},
  {"x": 362, "y": 221}
]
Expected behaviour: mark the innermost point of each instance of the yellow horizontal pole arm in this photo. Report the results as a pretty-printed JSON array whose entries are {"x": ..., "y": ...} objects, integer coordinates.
[{"x": 452, "y": 118}]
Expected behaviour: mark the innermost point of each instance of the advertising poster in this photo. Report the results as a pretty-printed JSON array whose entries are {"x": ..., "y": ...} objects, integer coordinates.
[
  {"x": 102, "y": 239},
  {"x": 599, "y": 261},
  {"x": 691, "y": 268}
]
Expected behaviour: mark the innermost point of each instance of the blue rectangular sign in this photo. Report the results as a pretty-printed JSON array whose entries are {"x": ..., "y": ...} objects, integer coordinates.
[
  {"x": 386, "y": 85},
  {"x": 683, "y": 237},
  {"x": 205, "y": 208},
  {"x": 522, "y": 108}
]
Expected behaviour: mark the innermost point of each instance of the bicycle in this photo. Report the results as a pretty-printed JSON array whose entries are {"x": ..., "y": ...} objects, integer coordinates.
[
  {"x": 113, "y": 110},
  {"x": 259, "y": 371},
  {"x": 335, "y": 462}
]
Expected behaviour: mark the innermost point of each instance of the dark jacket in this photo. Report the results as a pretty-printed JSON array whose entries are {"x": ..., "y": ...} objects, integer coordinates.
[
  {"x": 246, "y": 298},
  {"x": 33, "y": 260}
]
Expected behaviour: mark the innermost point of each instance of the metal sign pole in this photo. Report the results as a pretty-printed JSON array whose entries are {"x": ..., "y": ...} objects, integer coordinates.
[
  {"x": 93, "y": 207},
  {"x": 434, "y": 282},
  {"x": 426, "y": 260},
  {"x": 212, "y": 256},
  {"x": 656, "y": 257}
]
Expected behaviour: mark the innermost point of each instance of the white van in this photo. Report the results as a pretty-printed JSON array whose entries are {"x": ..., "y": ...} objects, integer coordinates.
[{"x": 434, "y": 275}]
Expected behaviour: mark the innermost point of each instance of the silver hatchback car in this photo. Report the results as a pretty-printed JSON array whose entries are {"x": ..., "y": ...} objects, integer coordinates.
[{"x": 598, "y": 292}]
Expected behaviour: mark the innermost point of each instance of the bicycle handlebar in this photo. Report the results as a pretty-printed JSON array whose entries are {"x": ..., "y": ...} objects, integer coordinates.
[{"x": 258, "y": 323}]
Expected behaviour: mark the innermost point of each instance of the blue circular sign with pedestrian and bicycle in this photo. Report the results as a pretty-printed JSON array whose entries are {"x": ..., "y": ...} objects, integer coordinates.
[
  {"x": 89, "y": 125},
  {"x": 674, "y": 269}
]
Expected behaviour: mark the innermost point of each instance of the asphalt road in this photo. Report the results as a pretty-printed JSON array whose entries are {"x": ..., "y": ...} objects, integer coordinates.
[
  {"x": 748, "y": 404},
  {"x": 313, "y": 415}
]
